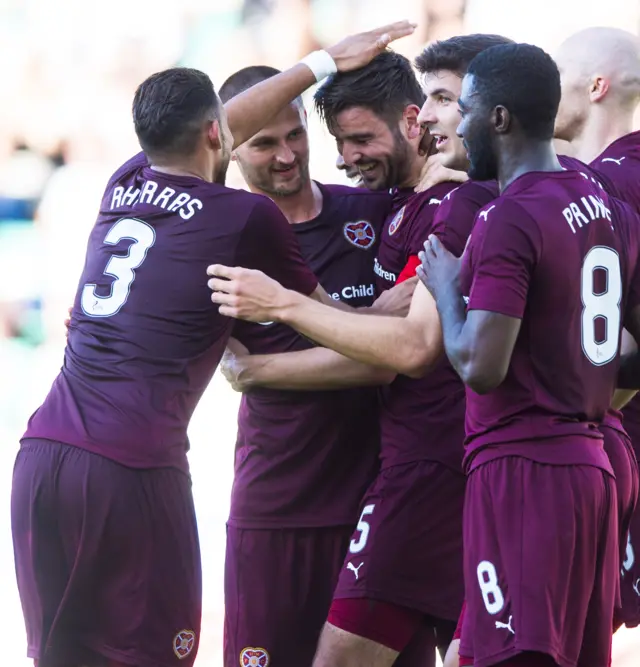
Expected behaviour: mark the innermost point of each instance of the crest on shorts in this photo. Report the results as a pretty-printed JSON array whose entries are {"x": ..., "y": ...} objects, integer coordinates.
[
  {"x": 183, "y": 643},
  {"x": 395, "y": 223},
  {"x": 361, "y": 233},
  {"x": 254, "y": 657}
]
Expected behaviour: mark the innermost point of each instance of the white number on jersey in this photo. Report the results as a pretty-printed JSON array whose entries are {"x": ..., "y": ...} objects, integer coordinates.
[
  {"x": 491, "y": 593},
  {"x": 121, "y": 268},
  {"x": 604, "y": 305},
  {"x": 356, "y": 546}
]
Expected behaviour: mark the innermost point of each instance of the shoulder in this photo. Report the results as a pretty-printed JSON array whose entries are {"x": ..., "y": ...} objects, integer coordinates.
[
  {"x": 138, "y": 161},
  {"x": 347, "y": 191}
]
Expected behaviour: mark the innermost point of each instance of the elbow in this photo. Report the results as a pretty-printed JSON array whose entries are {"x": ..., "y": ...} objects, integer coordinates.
[
  {"x": 480, "y": 378},
  {"x": 417, "y": 361}
]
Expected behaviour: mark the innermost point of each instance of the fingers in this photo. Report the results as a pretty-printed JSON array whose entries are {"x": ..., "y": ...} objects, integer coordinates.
[
  {"x": 397, "y": 30},
  {"x": 223, "y": 271},
  {"x": 222, "y": 285}
]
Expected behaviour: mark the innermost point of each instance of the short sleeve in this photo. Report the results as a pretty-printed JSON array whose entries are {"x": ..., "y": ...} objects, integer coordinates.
[
  {"x": 506, "y": 244},
  {"x": 455, "y": 216},
  {"x": 269, "y": 245}
]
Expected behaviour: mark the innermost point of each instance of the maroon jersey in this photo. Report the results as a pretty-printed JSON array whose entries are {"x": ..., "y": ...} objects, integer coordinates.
[
  {"x": 556, "y": 252},
  {"x": 619, "y": 165},
  {"x": 145, "y": 338},
  {"x": 423, "y": 419},
  {"x": 305, "y": 458}
]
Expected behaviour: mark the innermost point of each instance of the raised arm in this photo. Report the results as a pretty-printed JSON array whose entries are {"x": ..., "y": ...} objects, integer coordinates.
[
  {"x": 408, "y": 345},
  {"x": 251, "y": 110},
  {"x": 306, "y": 370}
]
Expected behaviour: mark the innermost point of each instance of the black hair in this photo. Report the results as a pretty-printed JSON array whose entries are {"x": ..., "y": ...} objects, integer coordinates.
[
  {"x": 525, "y": 80},
  {"x": 385, "y": 86},
  {"x": 455, "y": 54},
  {"x": 244, "y": 78},
  {"x": 169, "y": 108}
]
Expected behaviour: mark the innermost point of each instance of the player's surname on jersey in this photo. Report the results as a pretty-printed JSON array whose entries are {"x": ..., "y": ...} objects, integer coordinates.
[{"x": 168, "y": 199}]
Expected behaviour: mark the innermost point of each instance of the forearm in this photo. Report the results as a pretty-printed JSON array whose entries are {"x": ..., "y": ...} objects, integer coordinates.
[
  {"x": 452, "y": 311},
  {"x": 312, "y": 370},
  {"x": 389, "y": 342},
  {"x": 251, "y": 110}
]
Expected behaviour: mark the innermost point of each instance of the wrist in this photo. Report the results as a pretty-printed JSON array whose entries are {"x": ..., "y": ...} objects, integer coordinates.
[
  {"x": 286, "y": 309},
  {"x": 321, "y": 64}
]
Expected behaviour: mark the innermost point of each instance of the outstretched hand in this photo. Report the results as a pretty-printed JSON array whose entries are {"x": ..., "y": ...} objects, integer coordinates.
[
  {"x": 356, "y": 51},
  {"x": 245, "y": 294}
]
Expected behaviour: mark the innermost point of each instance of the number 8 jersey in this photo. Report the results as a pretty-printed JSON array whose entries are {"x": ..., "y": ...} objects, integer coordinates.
[
  {"x": 145, "y": 338},
  {"x": 557, "y": 253}
]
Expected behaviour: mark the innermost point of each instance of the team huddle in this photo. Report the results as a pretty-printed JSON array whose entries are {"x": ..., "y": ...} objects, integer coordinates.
[{"x": 438, "y": 430}]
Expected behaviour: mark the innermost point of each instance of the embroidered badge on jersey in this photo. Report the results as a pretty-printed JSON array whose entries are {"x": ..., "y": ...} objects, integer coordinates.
[
  {"x": 254, "y": 657},
  {"x": 360, "y": 233},
  {"x": 397, "y": 220},
  {"x": 183, "y": 643}
]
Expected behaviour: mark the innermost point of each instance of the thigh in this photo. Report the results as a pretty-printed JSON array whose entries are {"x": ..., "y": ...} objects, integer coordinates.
[
  {"x": 111, "y": 565},
  {"x": 278, "y": 590},
  {"x": 539, "y": 541},
  {"x": 407, "y": 548}
]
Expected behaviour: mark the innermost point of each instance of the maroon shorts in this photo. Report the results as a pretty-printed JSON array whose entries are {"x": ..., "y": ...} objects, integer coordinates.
[
  {"x": 278, "y": 587},
  {"x": 541, "y": 562},
  {"x": 407, "y": 547},
  {"x": 107, "y": 559},
  {"x": 623, "y": 461}
]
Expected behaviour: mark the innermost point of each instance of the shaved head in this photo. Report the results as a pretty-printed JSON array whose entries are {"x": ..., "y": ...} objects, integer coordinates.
[{"x": 599, "y": 67}]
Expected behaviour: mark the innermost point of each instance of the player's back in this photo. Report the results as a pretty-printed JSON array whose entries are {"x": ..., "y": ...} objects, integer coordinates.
[
  {"x": 553, "y": 251},
  {"x": 144, "y": 337}
]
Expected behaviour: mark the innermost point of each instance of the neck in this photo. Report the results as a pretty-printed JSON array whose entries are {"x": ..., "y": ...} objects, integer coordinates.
[
  {"x": 301, "y": 207},
  {"x": 186, "y": 168},
  {"x": 601, "y": 128},
  {"x": 414, "y": 175},
  {"x": 525, "y": 157}
]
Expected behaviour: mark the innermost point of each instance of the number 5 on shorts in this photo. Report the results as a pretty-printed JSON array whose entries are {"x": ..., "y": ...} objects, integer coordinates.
[{"x": 356, "y": 546}]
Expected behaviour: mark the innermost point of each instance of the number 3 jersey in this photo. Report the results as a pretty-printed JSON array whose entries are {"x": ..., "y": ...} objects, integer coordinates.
[
  {"x": 557, "y": 253},
  {"x": 145, "y": 338}
]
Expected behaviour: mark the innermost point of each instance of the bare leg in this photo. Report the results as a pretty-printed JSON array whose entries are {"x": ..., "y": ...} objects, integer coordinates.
[{"x": 339, "y": 648}]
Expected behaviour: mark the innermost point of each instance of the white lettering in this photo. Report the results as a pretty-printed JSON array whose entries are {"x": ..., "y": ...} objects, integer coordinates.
[
  {"x": 181, "y": 199},
  {"x": 148, "y": 190},
  {"x": 578, "y": 216},
  {"x": 163, "y": 198},
  {"x": 568, "y": 216},
  {"x": 354, "y": 292},
  {"x": 601, "y": 210},
  {"x": 383, "y": 273},
  {"x": 594, "y": 207},
  {"x": 191, "y": 209},
  {"x": 116, "y": 197},
  {"x": 130, "y": 197}
]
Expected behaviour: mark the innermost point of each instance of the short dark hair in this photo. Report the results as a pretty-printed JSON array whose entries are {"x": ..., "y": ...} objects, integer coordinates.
[
  {"x": 525, "y": 80},
  {"x": 244, "y": 78},
  {"x": 455, "y": 54},
  {"x": 247, "y": 77},
  {"x": 169, "y": 108},
  {"x": 385, "y": 86}
]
